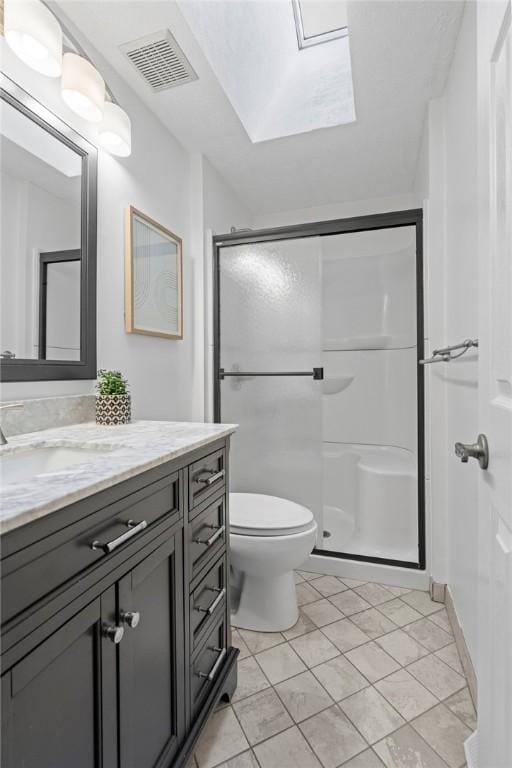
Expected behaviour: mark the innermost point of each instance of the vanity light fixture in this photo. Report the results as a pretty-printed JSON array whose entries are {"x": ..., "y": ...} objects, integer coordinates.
[
  {"x": 115, "y": 130},
  {"x": 34, "y": 34},
  {"x": 82, "y": 87}
]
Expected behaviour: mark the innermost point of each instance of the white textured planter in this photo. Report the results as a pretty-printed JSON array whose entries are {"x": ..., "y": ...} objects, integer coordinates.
[{"x": 113, "y": 409}]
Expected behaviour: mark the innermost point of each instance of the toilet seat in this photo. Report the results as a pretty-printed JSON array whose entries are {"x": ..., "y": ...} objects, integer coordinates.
[{"x": 256, "y": 514}]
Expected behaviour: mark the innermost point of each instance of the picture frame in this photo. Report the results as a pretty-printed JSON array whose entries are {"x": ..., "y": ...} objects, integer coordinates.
[{"x": 153, "y": 278}]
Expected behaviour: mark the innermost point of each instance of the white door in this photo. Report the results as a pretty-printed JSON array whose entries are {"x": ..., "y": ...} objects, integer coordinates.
[{"x": 494, "y": 41}]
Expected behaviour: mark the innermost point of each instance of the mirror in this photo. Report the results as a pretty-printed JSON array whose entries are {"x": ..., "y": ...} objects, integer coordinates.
[{"x": 48, "y": 248}]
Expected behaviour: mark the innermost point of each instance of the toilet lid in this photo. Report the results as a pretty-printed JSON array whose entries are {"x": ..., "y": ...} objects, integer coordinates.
[{"x": 256, "y": 514}]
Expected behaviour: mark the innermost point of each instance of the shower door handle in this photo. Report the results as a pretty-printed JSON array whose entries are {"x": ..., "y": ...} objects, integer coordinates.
[{"x": 316, "y": 373}]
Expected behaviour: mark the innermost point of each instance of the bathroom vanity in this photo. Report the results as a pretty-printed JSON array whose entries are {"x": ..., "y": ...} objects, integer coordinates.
[{"x": 115, "y": 638}]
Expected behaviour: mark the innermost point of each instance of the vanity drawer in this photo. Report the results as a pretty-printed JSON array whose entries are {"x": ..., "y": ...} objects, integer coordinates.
[
  {"x": 208, "y": 664},
  {"x": 105, "y": 534},
  {"x": 207, "y": 535},
  {"x": 207, "y": 599},
  {"x": 206, "y": 477}
]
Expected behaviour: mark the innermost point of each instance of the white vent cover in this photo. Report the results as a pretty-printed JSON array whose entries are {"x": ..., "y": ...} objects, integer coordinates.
[{"x": 160, "y": 60}]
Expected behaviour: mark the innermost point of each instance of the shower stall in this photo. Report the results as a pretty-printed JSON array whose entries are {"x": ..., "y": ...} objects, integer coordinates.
[{"x": 318, "y": 332}]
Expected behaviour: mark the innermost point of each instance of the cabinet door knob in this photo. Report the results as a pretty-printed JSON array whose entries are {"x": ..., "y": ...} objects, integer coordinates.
[
  {"x": 131, "y": 618},
  {"x": 113, "y": 633}
]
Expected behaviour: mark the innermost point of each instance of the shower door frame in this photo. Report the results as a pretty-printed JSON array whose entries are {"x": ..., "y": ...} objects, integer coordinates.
[{"x": 391, "y": 220}]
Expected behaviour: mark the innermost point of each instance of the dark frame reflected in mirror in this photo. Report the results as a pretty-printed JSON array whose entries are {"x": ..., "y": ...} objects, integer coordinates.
[{"x": 55, "y": 269}]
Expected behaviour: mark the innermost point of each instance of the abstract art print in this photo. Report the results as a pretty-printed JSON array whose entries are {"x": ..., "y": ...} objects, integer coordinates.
[{"x": 153, "y": 278}]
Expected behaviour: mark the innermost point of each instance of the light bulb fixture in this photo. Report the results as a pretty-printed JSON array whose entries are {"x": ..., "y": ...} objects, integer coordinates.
[
  {"x": 34, "y": 34},
  {"x": 82, "y": 87},
  {"x": 115, "y": 131}
]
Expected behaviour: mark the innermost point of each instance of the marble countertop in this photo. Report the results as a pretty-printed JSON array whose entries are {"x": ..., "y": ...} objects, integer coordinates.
[{"x": 122, "y": 452}]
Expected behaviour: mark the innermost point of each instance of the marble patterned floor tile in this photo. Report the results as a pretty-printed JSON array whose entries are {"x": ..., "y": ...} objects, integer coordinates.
[
  {"x": 450, "y": 655},
  {"x": 373, "y": 623},
  {"x": 372, "y": 661},
  {"x": 428, "y": 634},
  {"x": 310, "y": 575},
  {"x": 399, "y": 612},
  {"x": 438, "y": 677},
  {"x": 322, "y": 612},
  {"x": 397, "y": 591},
  {"x": 238, "y": 642},
  {"x": 245, "y": 760},
  {"x": 366, "y": 759},
  {"x": 329, "y": 585},
  {"x": 349, "y": 602},
  {"x": 333, "y": 737},
  {"x": 445, "y": 733},
  {"x": 375, "y": 594},
  {"x": 298, "y": 578},
  {"x": 422, "y": 602},
  {"x": 340, "y": 678},
  {"x": 314, "y": 648},
  {"x": 280, "y": 663},
  {"x": 250, "y": 679},
  {"x": 351, "y": 583},
  {"x": 402, "y": 647},
  {"x": 306, "y": 593},
  {"x": 221, "y": 739},
  {"x": 442, "y": 620},
  {"x": 303, "y": 696},
  {"x": 260, "y": 641},
  {"x": 461, "y": 704},
  {"x": 345, "y": 635},
  {"x": 262, "y": 716},
  {"x": 406, "y": 694},
  {"x": 301, "y": 627},
  {"x": 372, "y": 715},
  {"x": 406, "y": 749},
  {"x": 286, "y": 750}
]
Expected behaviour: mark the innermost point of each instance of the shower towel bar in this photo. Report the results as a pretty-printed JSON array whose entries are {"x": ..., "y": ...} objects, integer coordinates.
[
  {"x": 444, "y": 354},
  {"x": 316, "y": 373}
]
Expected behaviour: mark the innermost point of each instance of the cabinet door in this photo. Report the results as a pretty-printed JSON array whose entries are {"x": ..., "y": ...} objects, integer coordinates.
[
  {"x": 59, "y": 702},
  {"x": 151, "y": 658}
]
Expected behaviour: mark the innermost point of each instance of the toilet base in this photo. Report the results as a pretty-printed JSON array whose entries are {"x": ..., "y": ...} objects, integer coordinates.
[{"x": 267, "y": 604}]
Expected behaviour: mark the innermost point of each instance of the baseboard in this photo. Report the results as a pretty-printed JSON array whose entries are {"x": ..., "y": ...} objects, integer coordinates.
[{"x": 462, "y": 647}]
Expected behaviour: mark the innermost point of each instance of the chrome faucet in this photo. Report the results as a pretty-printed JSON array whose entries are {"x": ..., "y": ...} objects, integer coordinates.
[{"x": 7, "y": 407}]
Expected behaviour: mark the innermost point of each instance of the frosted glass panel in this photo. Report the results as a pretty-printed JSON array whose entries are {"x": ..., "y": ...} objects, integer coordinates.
[{"x": 271, "y": 321}]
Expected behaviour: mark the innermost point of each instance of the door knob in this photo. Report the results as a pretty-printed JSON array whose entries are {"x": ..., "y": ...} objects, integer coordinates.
[
  {"x": 131, "y": 618},
  {"x": 478, "y": 450},
  {"x": 113, "y": 633}
]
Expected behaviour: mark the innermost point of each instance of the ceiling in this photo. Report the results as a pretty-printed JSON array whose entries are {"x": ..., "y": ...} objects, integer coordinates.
[{"x": 401, "y": 53}]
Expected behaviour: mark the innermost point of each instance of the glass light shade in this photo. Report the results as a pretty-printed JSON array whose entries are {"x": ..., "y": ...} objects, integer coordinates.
[
  {"x": 34, "y": 34},
  {"x": 82, "y": 87},
  {"x": 115, "y": 131}
]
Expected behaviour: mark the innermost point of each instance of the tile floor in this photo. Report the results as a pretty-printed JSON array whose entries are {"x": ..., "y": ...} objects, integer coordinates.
[{"x": 369, "y": 677}]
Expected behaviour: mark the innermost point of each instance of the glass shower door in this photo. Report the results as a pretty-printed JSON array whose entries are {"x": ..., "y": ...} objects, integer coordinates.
[{"x": 270, "y": 344}]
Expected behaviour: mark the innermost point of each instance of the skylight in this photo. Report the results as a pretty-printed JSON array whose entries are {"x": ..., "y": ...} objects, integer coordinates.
[
  {"x": 320, "y": 21},
  {"x": 276, "y": 88}
]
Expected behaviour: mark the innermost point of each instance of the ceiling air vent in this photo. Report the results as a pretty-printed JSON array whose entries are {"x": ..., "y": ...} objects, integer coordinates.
[{"x": 160, "y": 60}]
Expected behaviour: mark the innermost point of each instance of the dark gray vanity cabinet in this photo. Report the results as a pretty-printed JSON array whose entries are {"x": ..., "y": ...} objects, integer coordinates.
[{"x": 115, "y": 635}]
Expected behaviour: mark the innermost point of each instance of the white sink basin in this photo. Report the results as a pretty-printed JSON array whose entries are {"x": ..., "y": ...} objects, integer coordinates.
[{"x": 25, "y": 465}]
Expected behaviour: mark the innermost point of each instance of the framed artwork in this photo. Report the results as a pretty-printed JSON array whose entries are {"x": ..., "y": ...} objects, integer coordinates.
[{"x": 153, "y": 278}]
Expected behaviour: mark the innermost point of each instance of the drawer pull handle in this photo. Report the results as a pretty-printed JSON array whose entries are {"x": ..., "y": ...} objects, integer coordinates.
[
  {"x": 131, "y": 618},
  {"x": 213, "y": 538},
  {"x": 134, "y": 529},
  {"x": 212, "y": 477},
  {"x": 114, "y": 633},
  {"x": 220, "y": 597},
  {"x": 211, "y": 675}
]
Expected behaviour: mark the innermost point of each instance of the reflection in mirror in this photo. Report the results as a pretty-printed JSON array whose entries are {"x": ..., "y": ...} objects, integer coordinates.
[{"x": 40, "y": 262}]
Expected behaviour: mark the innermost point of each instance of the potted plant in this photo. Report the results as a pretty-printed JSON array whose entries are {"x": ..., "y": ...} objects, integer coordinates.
[{"x": 113, "y": 402}]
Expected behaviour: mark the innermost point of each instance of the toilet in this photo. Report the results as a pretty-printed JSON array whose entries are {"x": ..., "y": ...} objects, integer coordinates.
[{"x": 269, "y": 537}]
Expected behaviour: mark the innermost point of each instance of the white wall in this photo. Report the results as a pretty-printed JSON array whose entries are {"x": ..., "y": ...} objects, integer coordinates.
[
  {"x": 163, "y": 180},
  {"x": 447, "y": 180}
]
